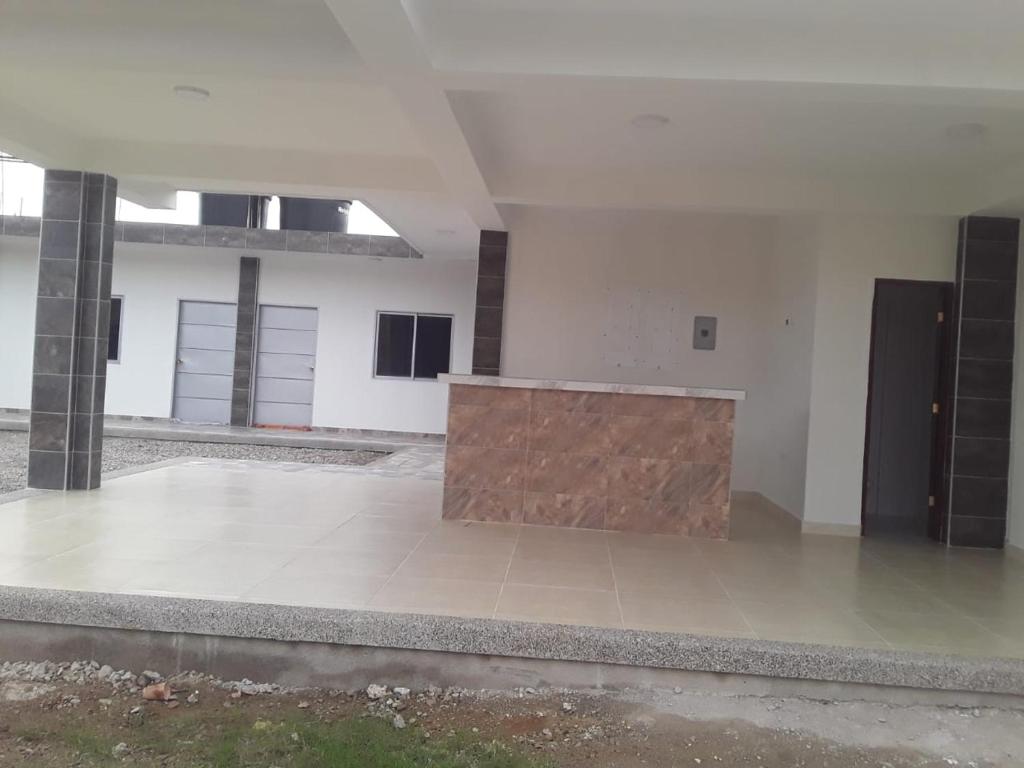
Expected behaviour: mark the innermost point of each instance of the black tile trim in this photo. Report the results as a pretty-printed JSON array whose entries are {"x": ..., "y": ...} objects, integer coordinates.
[
  {"x": 303, "y": 241},
  {"x": 245, "y": 340}
]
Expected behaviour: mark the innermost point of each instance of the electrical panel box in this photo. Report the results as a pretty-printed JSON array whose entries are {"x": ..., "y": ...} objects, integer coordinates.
[{"x": 704, "y": 329}]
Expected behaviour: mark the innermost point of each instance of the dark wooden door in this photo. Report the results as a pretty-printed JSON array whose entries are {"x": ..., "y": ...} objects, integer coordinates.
[{"x": 902, "y": 463}]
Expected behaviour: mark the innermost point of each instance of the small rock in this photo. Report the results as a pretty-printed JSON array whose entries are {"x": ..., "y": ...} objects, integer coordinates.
[
  {"x": 119, "y": 750},
  {"x": 402, "y": 692},
  {"x": 677, "y": 690},
  {"x": 398, "y": 722},
  {"x": 193, "y": 698},
  {"x": 567, "y": 706},
  {"x": 105, "y": 702},
  {"x": 376, "y": 692},
  {"x": 105, "y": 672},
  {"x": 303, "y": 705}
]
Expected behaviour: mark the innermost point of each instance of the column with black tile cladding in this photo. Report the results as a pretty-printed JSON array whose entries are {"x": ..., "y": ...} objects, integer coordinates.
[
  {"x": 245, "y": 340},
  {"x": 76, "y": 255},
  {"x": 986, "y": 291},
  {"x": 490, "y": 302}
]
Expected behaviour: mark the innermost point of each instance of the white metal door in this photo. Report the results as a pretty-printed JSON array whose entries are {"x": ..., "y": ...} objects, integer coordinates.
[
  {"x": 205, "y": 365},
  {"x": 285, "y": 366}
]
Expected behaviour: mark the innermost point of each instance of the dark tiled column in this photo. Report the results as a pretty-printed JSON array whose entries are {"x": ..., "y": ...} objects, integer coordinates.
[
  {"x": 76, "y": 255},
  {"x": 490, "y": 302},
  {"x": 245, "y": 340},
  {"x": 986, "y": 293}
]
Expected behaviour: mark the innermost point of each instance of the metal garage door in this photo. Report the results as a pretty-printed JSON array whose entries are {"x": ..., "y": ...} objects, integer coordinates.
[
  {"x": 206, "y": 361},
  {"x": 285, "y": 366}
]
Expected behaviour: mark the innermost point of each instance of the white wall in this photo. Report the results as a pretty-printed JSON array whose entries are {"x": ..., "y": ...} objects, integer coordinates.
[
  {"x": 19, "y": 277},
  {"x": 780, "y": 398},
  {"x": 569, "y": 269},
  {"x": 854, "y": 250},
  {"x": 152, "y": 280},
  {"x": 347, "y": 290}
]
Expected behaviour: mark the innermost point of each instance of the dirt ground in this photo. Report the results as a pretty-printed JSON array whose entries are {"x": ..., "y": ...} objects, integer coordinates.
[{"x": 67, "y": 724}]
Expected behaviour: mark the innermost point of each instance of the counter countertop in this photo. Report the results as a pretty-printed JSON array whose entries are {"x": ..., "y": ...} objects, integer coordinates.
[{"x": 593, "y": 386}]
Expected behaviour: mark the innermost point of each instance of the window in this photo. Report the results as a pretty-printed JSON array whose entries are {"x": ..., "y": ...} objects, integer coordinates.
[
  {"x": 114, "y": 337},
  {"x": 413, "y": 346}
]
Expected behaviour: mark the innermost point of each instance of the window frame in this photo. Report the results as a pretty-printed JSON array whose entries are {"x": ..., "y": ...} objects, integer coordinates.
[
  {"x": 415, "y": 332},
  {"x": 120, "y": 330}
]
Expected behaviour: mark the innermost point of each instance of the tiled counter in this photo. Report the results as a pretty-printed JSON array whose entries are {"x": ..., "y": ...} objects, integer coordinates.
[{"x": 588, "y": 455}]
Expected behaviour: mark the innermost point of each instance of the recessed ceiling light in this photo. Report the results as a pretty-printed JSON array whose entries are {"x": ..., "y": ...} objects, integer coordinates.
[
  {"x": 967, "y": 131},
  {"x": 650, "y": 121},
  {"x": 191, "y": 92}
]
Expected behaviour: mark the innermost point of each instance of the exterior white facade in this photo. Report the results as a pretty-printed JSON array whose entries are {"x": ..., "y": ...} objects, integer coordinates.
[{"x": 348, "y": 291}]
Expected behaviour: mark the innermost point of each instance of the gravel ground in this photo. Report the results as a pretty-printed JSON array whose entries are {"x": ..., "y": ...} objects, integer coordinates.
[
  {"x": 84, "y": 713},
  {"x": 125, "y": 452}
]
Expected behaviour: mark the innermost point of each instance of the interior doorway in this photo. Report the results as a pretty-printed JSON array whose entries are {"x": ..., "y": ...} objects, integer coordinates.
[{"x": 907, "y": 384}]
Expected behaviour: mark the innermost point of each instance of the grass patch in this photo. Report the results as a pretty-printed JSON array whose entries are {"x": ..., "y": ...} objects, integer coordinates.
[{"x": 237, "y": 742}]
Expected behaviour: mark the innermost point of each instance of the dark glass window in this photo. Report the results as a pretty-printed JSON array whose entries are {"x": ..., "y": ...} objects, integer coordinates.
[
  {"x": 114, "y": 337},
  {"x": 433, "y": 346},
  {"x": 394, "y": 344},
  {"x": 413, "y": 346}
]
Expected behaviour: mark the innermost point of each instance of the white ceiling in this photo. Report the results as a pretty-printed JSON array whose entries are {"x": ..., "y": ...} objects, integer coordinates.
[{"x": 441, "y": 112}]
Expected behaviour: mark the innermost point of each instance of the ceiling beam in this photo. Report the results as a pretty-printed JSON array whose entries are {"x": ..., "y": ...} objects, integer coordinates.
[{"x": 386, "y": 39}]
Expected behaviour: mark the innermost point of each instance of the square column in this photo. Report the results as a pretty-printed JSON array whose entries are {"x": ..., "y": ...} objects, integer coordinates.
[
  {"x": 245, "y": 340},
  {"x": 490, "y": 302},
  {"x": 69, "y": 369},
  {"x": 979, "y": 427}
]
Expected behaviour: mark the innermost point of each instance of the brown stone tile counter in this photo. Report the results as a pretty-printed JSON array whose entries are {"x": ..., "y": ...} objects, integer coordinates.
[{"x": 615, "y": 457}]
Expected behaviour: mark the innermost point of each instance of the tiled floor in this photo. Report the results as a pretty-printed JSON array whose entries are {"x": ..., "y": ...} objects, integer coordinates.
[{"x": 345, "y": 537}]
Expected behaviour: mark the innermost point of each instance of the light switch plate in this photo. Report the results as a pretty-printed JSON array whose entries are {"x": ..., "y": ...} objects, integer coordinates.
[{"x": 704, "y": 330}]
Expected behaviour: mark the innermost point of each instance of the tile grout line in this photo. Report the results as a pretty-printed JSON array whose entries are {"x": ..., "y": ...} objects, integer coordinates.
[
  {"x": 730, "y": 598},
  {"x": 398, "y": 567},
  {"x": 508, "y": 570},
  {"x": 615, "y": 583}
]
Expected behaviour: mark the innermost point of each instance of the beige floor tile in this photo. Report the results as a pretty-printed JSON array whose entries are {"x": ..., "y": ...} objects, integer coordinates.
[
  {"x": 670, "y": 581},
  {"x": 43, "y": 543},
  {"x": 241, "y": 556},
  {"x": 656, "y": 612},
  {"x": 647, "y": 542},
  {"x": 317, "y": 563},
  {"x": 900, "y": 628},
  {"x": 447, "y": 597},
  {"x": 282, "y": 535},
  {"x": 358, "y": 539},
  {"x": 390, "y": 524},
  {"x": 189, "y": 580},
  {"x": 10, "y": 563},
  {"x": 809, "y": 624},
  {"x": 104, "y": 575},
  {"x": 349, "y": 591},
  {"x": 230, "y": 529},
  {"x": 555, "y": 605},
  {"x": 401, "y": 511},
  {"x": 443, "y": 565},
  {"x": 488, "y": 540},
  {"x": 577, "y": 574},
  {"x": 579, "y": 550},
  {"x": 912, "y": 601}
]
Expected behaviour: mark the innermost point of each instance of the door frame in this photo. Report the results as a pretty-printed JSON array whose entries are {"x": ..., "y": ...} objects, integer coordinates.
[{"x": 937, "y": 519}]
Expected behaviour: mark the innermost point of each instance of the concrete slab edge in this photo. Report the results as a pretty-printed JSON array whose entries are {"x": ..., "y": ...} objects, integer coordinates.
[{"x": 513, "y": 639}]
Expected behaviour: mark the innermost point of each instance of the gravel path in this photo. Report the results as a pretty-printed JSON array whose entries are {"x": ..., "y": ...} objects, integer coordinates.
[{"x": 124, "y": 452}]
